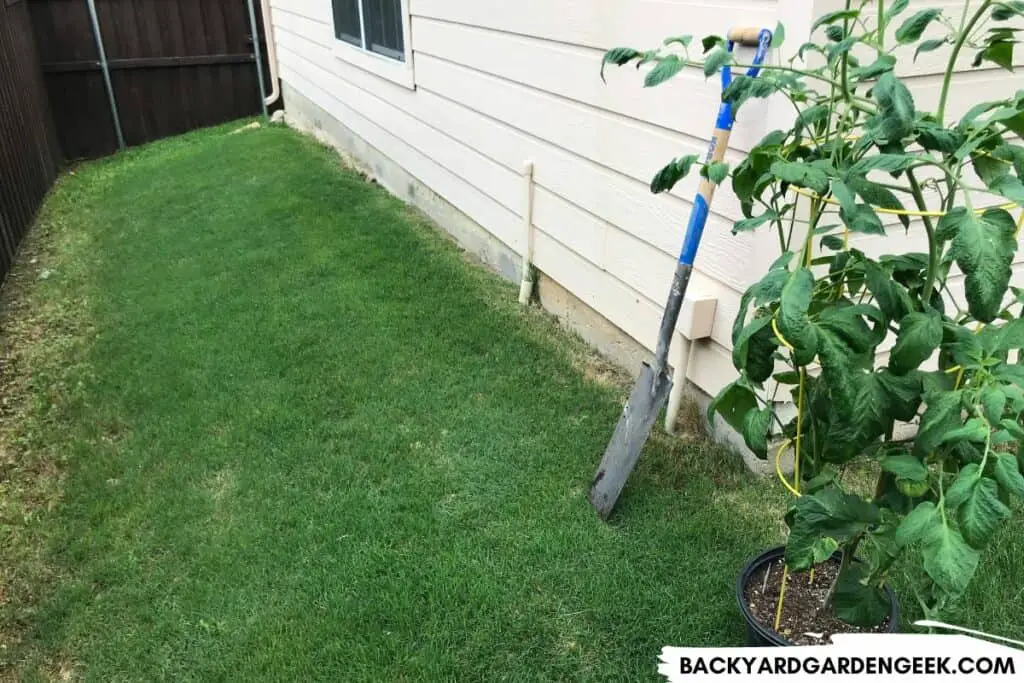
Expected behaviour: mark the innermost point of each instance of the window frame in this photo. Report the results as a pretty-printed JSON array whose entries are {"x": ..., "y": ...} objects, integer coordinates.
[{"x": 387, "y": 67}]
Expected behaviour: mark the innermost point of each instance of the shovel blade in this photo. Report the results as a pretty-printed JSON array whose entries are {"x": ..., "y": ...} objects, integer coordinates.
[{"x": 650, "y": 393}]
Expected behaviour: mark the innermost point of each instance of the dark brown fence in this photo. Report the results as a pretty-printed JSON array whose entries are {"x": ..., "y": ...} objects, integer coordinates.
[
  {"x": 175, "y": 65},
  {"x": 28, "y": 146}
]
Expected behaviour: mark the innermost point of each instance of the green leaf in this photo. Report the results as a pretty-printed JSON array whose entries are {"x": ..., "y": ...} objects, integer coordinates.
[
  {"x": 916, "y": 525},
  {"x": 858, "y": 600},
  {"x": 1002, "y": 11},
  {"x": 828, "y": 513},
  {"x": 892, "y": 163},
  {"x": 1013, "y": 154},
  {"x": 906, "y": 466},
  {"x": 743, "y": 88},
  {"x": 716, "y": 60},
  {"x": 708, "y": 42},
  {"x": 1008, "y": 474},
  {"x": 920, "y": 334},
  {"x": 778, "y": 35},
  {"x": 676, "y": 170},
  {"x": 802, "y": 175},
  {"x": 787, "y": 377},
  {"x": 929, "y": 46},
  {"x": 913, "y": 27},
  {"x": 847, "y": 200},
  {"x": 934, "y": 137},
  {"x": 1008, "y": 336},
  {"x": 833, "y": 17},
  {"x": 847, "y": 323},
  {"x": 792, "y": 317},
  {"x": 902, "y": 393},
  {"x": 864, "y": 220},
  {"x": 808, "y": 117},
  {"x": 1010, "y": 373},
  {"x": 948, "y": 559},
  {"x": 833, "y": 242},
  {"x": 835, "y": 34},
  {"x": 974, "y": 429},
  {"x": 756, "y": 425},
  {"x": 984, "y": 247},
  {"x": 883, "y": 64},
  {"x": 748, "y": 224},
  {"x": 733, "y": 403},
  {"x": 982, "y": 513},
  {"x": 836, "y": 51},
  {"x": 664, "y": 70},
  {"x": 1008, "y": 186},
  {"x": 824, "y": 548},
  {"x": 741, "y": 342},
  {"x": 941, "y": 414},
  {"x": 965, "y": 482},
  {"x": 891, "y": 296},
  {"x": 876, "y": 195},
  {"x": 761, "y": 355},
  {"x": 895, "y": 107},
  {"x": 618, "y": 56},
  {"x": 895, "y": 9},
  {"x": 993, "y": 402},
  {"x": 679, "y": 40},
  {"x": 1013, "y": 427},
  {"x": 998, "y": 52},
  {"x": 716, "y": 172}
]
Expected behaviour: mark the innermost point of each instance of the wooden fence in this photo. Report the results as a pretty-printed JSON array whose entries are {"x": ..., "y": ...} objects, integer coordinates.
[
  {"x": 29, "y": 154},
  {"x": 175, "y": 65}
]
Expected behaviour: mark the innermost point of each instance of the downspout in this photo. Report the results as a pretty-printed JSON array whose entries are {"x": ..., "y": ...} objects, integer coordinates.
[
  {"x": 526, "y": 285},
  {"x": 696, "y": 322},
  {"x": 675, "y": 397},
  {"x": 268, "y": 32}
]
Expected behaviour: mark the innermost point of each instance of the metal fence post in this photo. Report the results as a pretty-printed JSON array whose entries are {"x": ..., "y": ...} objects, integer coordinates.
[
  {"x": 259, "y": 56},
  {"x": 105, "y": 67}
]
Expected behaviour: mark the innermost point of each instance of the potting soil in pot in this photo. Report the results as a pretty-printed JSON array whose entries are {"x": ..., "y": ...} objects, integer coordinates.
[{"x": 803, "y": 620}]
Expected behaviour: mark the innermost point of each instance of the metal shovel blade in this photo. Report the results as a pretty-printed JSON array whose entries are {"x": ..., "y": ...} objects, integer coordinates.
[{"x": 645, "y": 403}]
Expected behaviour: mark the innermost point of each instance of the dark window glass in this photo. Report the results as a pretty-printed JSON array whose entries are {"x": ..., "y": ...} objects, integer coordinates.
[
  {"x": 346, "y": 21},
  {"x": 384, "y": 27}
]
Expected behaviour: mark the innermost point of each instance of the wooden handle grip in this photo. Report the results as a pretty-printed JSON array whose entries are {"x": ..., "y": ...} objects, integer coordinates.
[{"x": 745, "y": 36}]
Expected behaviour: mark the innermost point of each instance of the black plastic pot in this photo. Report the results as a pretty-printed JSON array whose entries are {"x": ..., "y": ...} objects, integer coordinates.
[{"x": 759, "y": 635}]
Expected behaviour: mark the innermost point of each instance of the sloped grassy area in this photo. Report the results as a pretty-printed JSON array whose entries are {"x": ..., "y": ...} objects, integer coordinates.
[{"x": 265, "y": 423}]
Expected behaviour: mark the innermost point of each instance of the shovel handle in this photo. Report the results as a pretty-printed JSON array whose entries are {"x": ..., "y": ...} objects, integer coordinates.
[
  {"x": 719, "y": 143},
  {"x": 747, "y": 36}
]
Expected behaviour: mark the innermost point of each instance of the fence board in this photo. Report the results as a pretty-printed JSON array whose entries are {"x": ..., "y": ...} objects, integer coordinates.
[
  {"x": 29, "y": 152},
  {"x": 175, "y": 65}
]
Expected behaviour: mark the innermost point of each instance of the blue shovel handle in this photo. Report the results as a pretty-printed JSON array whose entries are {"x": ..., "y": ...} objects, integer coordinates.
[{"x": 716, "y": 150}]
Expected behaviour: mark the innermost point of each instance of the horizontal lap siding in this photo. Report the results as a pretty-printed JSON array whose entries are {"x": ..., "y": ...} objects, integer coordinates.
[{"x": 497, "y": 87}]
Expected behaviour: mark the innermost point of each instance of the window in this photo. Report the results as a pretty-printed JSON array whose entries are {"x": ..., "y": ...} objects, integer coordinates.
[{"x": 377, "y": 26}]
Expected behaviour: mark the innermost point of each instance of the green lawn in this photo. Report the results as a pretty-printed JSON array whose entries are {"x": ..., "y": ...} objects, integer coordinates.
[{"x": 266, "y": 423}]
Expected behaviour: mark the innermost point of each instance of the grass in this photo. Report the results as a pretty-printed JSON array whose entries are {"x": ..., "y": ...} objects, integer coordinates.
[{"x": 265, "y": 423}]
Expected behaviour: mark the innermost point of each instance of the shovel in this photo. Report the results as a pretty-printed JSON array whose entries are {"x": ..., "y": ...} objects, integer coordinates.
[{"x": 654, "y": 384}]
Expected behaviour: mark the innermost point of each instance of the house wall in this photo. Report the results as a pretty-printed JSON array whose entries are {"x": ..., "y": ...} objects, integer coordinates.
[{"x": 499, "y": 83}]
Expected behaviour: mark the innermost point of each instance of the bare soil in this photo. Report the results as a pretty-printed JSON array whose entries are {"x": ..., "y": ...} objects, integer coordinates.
[{"x": 803, "y": 621}]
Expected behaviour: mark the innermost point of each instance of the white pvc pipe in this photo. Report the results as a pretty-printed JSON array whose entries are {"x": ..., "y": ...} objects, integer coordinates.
[
  {"x": 526, "y": 285},
  {"x": 268, "y": 32},
  {"x": 675, "y": 397}
]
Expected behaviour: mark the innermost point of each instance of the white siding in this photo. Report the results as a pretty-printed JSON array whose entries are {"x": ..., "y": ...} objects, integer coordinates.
[{"x": 499, "y": 83}]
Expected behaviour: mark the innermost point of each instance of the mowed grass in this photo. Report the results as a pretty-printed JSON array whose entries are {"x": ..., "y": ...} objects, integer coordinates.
[{"x": 296, "y": 436}]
